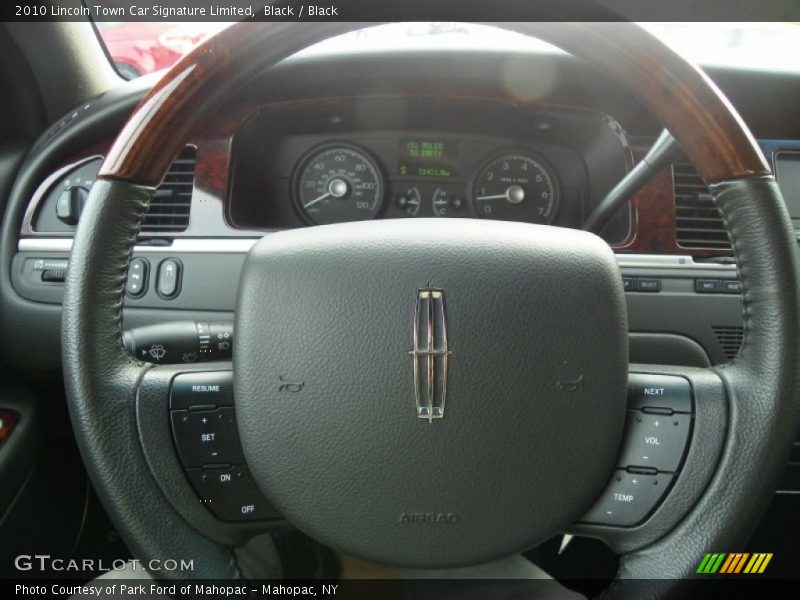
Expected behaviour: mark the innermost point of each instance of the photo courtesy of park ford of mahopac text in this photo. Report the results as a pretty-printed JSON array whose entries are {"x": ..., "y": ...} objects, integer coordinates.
[{"x": 400, "y": 299}]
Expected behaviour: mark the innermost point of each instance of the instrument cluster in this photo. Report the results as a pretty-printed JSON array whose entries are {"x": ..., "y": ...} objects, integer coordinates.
[
  {"x": 298, "y": 164},
  {"x": 338, "y": 182}
]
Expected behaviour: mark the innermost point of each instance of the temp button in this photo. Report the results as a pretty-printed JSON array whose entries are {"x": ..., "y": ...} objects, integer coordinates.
[{"x": 629, "y": 499}]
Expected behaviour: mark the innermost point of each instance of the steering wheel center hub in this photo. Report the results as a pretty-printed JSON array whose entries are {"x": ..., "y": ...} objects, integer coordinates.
[{"x": 431, "y": 385}]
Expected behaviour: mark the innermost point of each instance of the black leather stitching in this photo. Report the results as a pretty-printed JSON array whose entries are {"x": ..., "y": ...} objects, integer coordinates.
[
  {"x": 742, "y": 272},
  {"x": 139, "y": 215}
]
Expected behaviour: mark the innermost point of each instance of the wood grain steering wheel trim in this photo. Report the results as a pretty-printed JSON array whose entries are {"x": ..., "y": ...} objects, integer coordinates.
[{"x": 677, "y": 93}]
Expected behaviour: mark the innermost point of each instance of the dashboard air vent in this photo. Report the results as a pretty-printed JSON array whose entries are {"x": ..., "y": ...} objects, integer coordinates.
[
  {"x": 730, "y": 339},
  {"x": 169, "y": 208},
  {"x": 698, "y": 221}
]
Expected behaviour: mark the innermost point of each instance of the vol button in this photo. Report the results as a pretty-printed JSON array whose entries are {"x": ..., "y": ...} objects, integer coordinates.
[{"x": 653, "y": 440}]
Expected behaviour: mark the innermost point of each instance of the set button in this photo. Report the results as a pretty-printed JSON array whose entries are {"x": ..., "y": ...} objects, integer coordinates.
[{"x": 206, "y": 436}]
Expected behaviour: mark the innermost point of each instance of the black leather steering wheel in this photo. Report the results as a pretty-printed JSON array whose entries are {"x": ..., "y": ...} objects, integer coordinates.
[{"x": 348, "y": 457}]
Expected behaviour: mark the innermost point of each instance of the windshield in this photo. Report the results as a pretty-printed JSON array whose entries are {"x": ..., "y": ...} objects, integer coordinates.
[{"x": 137, "y": 48}]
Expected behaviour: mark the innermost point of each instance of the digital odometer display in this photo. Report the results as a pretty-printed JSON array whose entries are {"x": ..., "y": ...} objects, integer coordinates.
[{"x": 428, "y": 158}]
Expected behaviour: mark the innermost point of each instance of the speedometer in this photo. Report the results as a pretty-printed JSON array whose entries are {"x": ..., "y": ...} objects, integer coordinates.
[
  {"x": 516, "y": 187},
  {"x": 335, "y": 184}
]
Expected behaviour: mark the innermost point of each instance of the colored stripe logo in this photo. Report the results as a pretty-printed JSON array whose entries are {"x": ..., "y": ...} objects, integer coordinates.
[{"x": 734, "y": 563}]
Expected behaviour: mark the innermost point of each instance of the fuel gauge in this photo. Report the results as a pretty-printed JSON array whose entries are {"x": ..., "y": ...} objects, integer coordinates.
[{"x": 409, "y": 201}]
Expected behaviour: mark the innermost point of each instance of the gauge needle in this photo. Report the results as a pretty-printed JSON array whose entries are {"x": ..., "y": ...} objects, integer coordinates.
[
  {"x": 514, "y": 194},
  {"x": 319, "y": 199},
  {"x": 337, "y": 188}
]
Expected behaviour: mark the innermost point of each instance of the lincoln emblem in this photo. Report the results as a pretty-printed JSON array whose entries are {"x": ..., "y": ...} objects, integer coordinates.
[{"x": 430, "y": 354}]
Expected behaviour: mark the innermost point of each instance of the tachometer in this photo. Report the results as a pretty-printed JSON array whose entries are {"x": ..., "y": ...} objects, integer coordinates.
[
  {"x": 336, "y": 184},
  {"x": 516, "y": 187}
]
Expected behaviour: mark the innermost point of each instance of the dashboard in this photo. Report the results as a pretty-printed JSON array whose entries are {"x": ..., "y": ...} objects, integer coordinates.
[{"x": 396, "y": 135}]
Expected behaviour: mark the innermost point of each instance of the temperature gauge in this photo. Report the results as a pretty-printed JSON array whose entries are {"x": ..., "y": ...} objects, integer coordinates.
[{"x": 445, "y": 201}]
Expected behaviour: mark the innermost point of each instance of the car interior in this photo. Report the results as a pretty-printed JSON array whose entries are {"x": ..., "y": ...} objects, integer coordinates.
[{"x": 342, "y": 301}]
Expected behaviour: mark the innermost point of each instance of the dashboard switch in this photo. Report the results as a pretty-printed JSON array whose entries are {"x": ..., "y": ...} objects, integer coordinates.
[
  {"x": 70, "y": 204},
  {"x": 655, "y": 441},
  {"x": 54, "y": 276},
  {"x": 659, "y": 391},
  {"x": 629, "y": 499},
  {"x": 731, "y": 286},
  {"x": 708, "y": 286},
  {"x": 136, "y": 283},
  {"x": 231, "y": 494},
  {"x": 647, "y": 285},
  {"x": 206, "y": 437},
  {"x": 169, "y": 278}
]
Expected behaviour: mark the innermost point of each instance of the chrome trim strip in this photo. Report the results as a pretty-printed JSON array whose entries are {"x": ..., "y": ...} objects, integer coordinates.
[
  {"x": 187, "y": 245},
  {"x": 243, "y": 245},
  {"x": 668, "y": 261}
]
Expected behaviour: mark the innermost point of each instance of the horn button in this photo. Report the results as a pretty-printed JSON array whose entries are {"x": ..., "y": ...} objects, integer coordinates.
[{"x": 431, "y": 393}]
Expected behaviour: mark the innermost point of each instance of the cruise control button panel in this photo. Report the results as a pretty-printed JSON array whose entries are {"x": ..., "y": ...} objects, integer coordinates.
[
  {"x": 657, "y": 431},
  {"x": 207, "y": 439}
]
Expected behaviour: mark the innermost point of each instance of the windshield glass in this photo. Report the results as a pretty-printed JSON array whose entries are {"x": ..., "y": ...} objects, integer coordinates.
[{"x": 143, "y": 47}]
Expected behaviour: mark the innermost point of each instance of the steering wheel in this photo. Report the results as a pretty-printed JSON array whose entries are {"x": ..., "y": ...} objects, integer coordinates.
[{"x": 521, "y": 329}]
